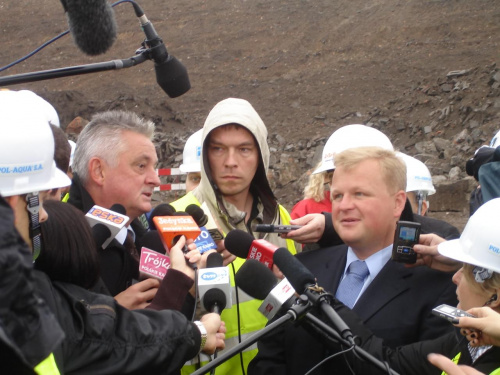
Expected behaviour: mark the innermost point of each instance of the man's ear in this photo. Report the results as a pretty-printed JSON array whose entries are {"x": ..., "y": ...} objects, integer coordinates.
[
  {"x": 97, "y": 170},
  {"x": 425, "y": 207},
  {"x": 399, "y": 203}
]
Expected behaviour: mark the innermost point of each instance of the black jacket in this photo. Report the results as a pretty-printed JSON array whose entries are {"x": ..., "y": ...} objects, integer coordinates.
[
  {"x": 29, "y": 331},
  {"x": 119, "y": 269},
  {"x": 412, "y": 359},
  {"x": 103, "y": 337},
  {"x": 88, "y": 333},
  {"x": 396, "y": 306}
]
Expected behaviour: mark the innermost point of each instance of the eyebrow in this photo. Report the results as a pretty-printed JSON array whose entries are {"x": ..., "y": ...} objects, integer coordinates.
[{"x": 249, "y": 143}]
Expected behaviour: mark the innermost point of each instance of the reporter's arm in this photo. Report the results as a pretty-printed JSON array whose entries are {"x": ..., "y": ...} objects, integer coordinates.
[
  {"x": 428, "y": 255},
  {"x": 138, "y": 295}
]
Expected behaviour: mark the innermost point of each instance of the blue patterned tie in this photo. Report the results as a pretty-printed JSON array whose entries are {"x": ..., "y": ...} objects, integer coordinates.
[{"x": 352, "y": 283}]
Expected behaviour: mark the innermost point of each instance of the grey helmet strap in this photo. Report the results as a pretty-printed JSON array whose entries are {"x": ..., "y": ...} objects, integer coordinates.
[{"x": 33, "y": 207}]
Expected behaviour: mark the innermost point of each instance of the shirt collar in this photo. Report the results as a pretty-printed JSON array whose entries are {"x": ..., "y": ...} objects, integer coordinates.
[{"x": 374, "y": 262}]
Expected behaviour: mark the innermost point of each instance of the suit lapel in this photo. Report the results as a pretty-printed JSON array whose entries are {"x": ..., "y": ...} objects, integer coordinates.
[
  {"x": 392, "y": 280},
  {"x": 327, "y": 265}
]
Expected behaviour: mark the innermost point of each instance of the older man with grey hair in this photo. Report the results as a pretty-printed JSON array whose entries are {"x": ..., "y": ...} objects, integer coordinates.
[{"x": 115, "y": 162}]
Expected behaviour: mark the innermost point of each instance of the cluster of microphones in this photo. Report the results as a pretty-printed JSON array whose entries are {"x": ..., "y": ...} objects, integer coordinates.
[{"x": 255, "y": 277}]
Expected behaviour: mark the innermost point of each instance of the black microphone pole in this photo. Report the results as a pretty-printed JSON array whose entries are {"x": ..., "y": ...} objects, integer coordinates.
[
  {"x": 294, "y": 313},
  {"x": 74, "y": 70}
]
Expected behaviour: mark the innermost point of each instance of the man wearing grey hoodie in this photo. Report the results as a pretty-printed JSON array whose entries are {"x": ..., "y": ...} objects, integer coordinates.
[{"x": 235, "y": 188}]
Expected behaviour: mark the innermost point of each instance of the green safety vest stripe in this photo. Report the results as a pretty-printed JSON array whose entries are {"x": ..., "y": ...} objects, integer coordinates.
[
  {"x": 457, "y": 358},
  {"x": 47, "y": 366}
]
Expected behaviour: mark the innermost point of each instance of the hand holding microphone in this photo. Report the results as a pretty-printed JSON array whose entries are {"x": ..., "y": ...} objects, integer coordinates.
[{"x": 181, "y": 261}]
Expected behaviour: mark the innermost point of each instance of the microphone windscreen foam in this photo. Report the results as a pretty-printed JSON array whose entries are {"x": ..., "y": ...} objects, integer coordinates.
[
  {"x": 214, "y": 260},
  {"x": 255, "y": 279},
  {"x": 238, "y": 242},
  {"x": 212, "y": 297},
  {"x": 92, "y": 25},
  {"x": 197, "y": 214},
  {"x": 152, "y": 241},
  {"x": 163, "y": 209},
  {"x": 117, "y": 207},
  {"x": 298, "y": 275}
]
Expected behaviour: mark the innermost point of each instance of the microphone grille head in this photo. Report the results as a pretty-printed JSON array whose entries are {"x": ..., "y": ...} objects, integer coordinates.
[
  {"x": 152, "y": 241},
  {"x": 255, "y": 279},
  {"x": 172, "y": 77},
  {"x": 298, "y": 275},
  {"x": 238, "y": 242},
  {"x": 92, "y": 25},
  {"x": 197, "y": 214},
  {"x": 214, "y": 260},
  {"x": 117, "y": 207},
  {"x": 214, "y": 296}
]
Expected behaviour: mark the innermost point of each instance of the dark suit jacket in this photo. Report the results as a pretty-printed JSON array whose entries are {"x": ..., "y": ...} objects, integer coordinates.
[
  {"x": 396, "y": 306},
  {"x": 119, "y": 268}
]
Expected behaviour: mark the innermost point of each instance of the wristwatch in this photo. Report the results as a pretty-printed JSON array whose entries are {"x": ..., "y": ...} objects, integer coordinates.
[{"x": 203, "y": 332}]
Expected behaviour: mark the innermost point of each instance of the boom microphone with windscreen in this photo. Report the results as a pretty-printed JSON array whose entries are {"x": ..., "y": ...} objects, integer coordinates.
[{"x": 92, "y": 25}]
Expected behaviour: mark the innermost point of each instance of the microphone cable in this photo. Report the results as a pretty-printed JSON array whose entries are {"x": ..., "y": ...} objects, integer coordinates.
[
  {"x": 328, "y": 358},
  {"x": 43, "y": 45}
]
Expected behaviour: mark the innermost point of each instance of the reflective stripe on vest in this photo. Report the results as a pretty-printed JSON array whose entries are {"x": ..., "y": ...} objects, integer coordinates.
[{"x": 47, "y": 366}]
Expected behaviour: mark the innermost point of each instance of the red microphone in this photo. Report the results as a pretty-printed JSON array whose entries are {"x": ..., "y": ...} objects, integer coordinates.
[{"x": 243, "y": 245}]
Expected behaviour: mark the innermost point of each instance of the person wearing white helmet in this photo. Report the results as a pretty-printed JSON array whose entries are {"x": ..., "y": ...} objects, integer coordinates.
[
  {"x": 475, "y": 258},
  {"x": 50, "y": 327},
  {"x": 191, "y": 160},
  {"x": 418, "y": 183},
  {"x": 27, "y": 173},
  {"x": 348, "y": 137},
  {"x": 394, "y": 301},
  {"x": 27, "y": 167},
  {"x": 318, "y": 228}
]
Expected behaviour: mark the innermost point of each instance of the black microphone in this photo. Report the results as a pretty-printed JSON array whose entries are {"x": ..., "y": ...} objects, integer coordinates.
[
  {"x": 302, "y": 279},
  {"x": 256, "y": 280},
  {"x": 214, "y": 285},
  {"x": 204, "y": 218},
  {"x": 243, "y": 245},
  {"x": 92, "y": 25},
  {"x": 197, "y": 214},
  {"x": 171, "y": 75},
  {"x": 152, "y": 241},
  {"x": 163, "y": 209},
  {"x": 105, "y": 226}
]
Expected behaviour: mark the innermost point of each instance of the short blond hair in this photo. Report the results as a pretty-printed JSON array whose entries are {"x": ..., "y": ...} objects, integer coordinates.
[
  {"x": 393, "y": 168},
  {"x": 489, "y": 285}
]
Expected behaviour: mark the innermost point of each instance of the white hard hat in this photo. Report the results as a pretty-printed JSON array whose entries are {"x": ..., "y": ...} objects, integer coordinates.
[
  {"x": 43, "y": 107},
  {"x": 351, "y": 136},
  {"x": 418, "y": 176},
  {"x": 72, "y": 155},
  {"x": 479, "y": 243},
  {"x": 495, "y": 141},
  {"x": 192, "y": 153},
  {"x": 26, "y": 147}
]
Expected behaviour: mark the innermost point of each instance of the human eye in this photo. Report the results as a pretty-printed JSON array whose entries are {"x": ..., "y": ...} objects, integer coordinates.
[{"x": 337, "y": 196}]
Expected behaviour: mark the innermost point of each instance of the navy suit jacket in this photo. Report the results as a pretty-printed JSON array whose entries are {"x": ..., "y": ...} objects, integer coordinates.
[{"x": 396, "y": 306}]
